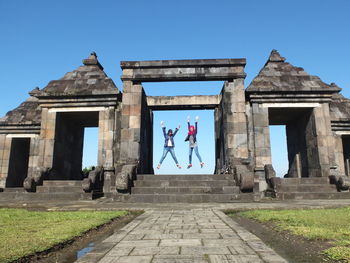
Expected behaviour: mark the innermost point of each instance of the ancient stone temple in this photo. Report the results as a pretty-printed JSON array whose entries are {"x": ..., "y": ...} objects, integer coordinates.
[{"x": 41, "y": 141}]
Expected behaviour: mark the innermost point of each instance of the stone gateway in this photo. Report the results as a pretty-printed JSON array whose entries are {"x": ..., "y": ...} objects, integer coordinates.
[{"x": 41, "y": 141}]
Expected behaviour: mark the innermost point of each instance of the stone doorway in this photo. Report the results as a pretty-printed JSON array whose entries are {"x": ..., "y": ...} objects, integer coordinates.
[
  {"x": 206, "y": 141},
  {"x": 68, "y": 147},
  {"x": 18, "y": 165},
  {"x": 301, "y": 142},
  {"x": 346, "y": 152}
]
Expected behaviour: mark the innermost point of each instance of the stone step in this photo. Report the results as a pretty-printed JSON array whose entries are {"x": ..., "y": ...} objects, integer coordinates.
[
  {"x": 62, "y": 183},
  {"x": 59, "y": 189},
  {"x": 14, "y": 190},
  {"x": 182, "y": 183},
  {"x": 184, "y": 190},
  {"x": 45, "y": 196},
  {"x": 196, "y": 177},
  {"x": 312, "y": 195},
  {"x": 304, "y": 180},
  {"x": 307, "y": 188},
  {"x": 185, "y": 198}
]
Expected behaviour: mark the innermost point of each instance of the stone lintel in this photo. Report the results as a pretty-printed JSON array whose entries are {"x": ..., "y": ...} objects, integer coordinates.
[
  {"x": 183, "y": 70},
  {"x": 289, "y": 97},
  {"x": 22, "y": 135},
  {"x": 291, "y": 105},
  {"x": 62, "y": 97},
  {"x": 183, "y": 77},
  {"x": 183, "y": 63},
  {"x": 19, "y": 129},
  {"x": 183, "y": 102},
  {"x": 341, "y": 127},
  {"x": 343, "y": 133},
  {"x": 80, "y": 102}
]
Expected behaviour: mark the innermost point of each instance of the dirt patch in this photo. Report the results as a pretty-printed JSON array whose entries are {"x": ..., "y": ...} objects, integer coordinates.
[
  {"x": 70, "y": 251},
  {"x": 294, "y": 249}
]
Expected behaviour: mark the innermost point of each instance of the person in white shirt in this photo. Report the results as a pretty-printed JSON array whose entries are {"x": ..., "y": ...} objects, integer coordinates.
[{"x": 169, "y": 145}]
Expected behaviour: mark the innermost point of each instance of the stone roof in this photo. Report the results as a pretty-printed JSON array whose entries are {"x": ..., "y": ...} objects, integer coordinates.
[
  {"x": 278, "y": 75},
  {"x": 28, "y": 113},
  {"x": 87, "y": 80},
  {"x": 339, "y": 108}
]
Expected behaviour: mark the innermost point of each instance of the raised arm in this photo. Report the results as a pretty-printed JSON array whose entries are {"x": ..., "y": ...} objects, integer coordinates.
[
  {"x": 196, "y": 123},
  {"x": 188, "y": 122},
  {"x": 176, "y": 129},
  {"x": 163, "y": 128}
]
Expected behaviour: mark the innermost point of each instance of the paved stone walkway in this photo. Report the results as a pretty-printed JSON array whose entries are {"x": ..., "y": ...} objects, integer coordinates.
[{"x": 197, "y": 235}]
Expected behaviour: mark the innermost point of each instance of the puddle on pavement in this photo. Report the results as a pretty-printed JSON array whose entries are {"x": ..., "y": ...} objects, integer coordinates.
[{"x": 82, "y": 245}]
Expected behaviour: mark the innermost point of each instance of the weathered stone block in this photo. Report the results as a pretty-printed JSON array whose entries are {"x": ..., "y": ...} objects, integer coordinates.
[
  {"x": 238, "y": 107},
  {"x": 125, "y": 122},
  {"x": 135, "y": 122},
  {"x": 134, "y": 150},
  {"x": 126, "y": 110},
  {"x": 135, "y": 110}
]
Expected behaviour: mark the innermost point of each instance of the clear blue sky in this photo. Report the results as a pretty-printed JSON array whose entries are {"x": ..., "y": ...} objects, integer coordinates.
[{"x": 42, "y": 40}]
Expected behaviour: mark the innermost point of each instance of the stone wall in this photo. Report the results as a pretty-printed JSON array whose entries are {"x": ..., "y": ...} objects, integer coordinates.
[{"x": 317, "y": 120}]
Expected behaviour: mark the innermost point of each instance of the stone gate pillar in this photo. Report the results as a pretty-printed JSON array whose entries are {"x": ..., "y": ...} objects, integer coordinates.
[
  {"x": 5, "y": 149},
  {"x": 47, "y": 138},
  {"x": 235, "y": 121},
  {"x": 325, "y": 142},
  {"x": 130, "y": 137},
  {"x": 131, "y": 122},
  {"x": 262, "y": 148},
  {"x": 106, "y": 142},
  {"x": 33, "y": 155}
]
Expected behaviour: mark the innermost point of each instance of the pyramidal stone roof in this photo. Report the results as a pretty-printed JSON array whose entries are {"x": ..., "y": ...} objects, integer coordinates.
[
  {"x": 339, "y": 108},
  {"x": 278, "y": 75},
  {"x": 87, "y": 80},
  {"x": 28, "y": 113}
]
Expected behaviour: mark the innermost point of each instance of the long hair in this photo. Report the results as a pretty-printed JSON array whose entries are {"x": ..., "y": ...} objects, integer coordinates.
[
  {"x": 191, "y": 130},
  {"x": 170, "y": 132}
]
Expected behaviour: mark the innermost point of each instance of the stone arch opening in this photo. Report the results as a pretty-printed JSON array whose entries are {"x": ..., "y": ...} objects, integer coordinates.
[
  {"x": 301, "y": 142},
  {"x": 18, "y": 163},
  {"x": 205, "y": 137},
  {"x": 346, "y": 153},
  {"x": 68, "y": 146}
]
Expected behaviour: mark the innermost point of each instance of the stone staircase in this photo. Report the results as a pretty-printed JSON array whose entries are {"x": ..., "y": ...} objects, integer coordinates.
[
  {"x": 185, "y": 188},
  {"x": 307, "y": 188},
  {"x": 50, "y": 190}
]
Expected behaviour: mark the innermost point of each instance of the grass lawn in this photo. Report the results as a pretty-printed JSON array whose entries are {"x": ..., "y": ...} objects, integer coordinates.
[
  {"x": 315, "y": 224},
  {"x": 25, "y": 232}
]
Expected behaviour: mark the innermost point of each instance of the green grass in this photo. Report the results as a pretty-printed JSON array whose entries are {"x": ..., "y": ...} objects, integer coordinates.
[
  {"x": 25, "y": 232},
  {"x": 313, "y": 224}
]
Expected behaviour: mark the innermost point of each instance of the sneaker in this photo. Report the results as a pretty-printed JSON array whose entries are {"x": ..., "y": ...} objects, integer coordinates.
[
  {"x": 189, "y": 166},
  {"x": 202, "y": 164},
  {"x": 178, "y": 166},
  {"x": 158, "y": 166}
]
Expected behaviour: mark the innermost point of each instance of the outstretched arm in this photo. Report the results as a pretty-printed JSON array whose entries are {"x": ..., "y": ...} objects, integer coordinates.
[
  {"x": 196, "y": 123},
  {"x": 163, "y": 128},
  {"x": 188, "y": 122},
  {"x": 176, "y": 129}
]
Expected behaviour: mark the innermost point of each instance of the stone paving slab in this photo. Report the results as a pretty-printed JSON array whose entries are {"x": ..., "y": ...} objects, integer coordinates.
[{"x": 199, "y": 235}]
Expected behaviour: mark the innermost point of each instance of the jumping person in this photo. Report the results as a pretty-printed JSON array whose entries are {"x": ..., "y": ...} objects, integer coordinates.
[
  {"x": 168, "y": 145},
  {"x": 192, "y": 138}
]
